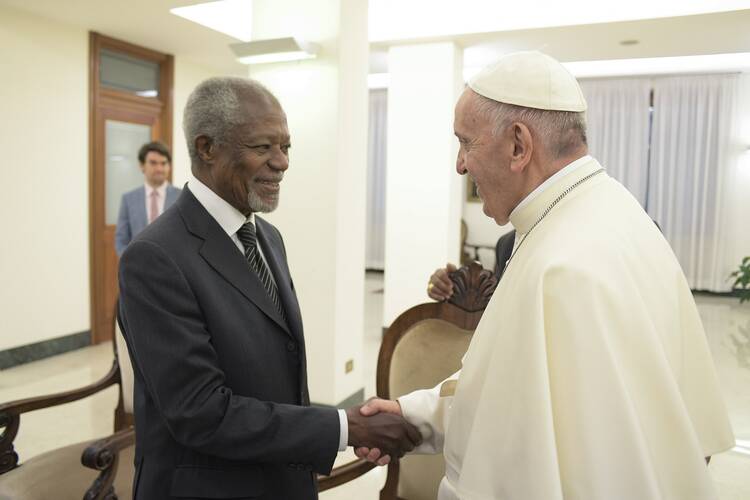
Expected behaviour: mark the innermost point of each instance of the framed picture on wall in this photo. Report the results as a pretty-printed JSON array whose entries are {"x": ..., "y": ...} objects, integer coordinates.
[{"x": 471, "y": 191}]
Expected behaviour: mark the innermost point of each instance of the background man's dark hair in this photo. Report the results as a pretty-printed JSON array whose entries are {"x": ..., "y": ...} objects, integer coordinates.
[{"x": 156, "y": 147}]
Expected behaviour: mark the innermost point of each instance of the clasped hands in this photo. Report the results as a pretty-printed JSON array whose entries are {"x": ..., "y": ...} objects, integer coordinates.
[{"x": 378, "y": 431}]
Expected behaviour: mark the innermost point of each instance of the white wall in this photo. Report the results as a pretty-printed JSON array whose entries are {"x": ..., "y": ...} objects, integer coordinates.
[
  {"x": 423, "y": 191},
  {"x": 44, "y": 212},
  {"x": 322, "y": 209},
  {"x": 44, "y": 255}
]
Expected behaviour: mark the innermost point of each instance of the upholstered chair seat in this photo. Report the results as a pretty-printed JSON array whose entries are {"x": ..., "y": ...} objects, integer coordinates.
[{"x": 59, "y": 474}]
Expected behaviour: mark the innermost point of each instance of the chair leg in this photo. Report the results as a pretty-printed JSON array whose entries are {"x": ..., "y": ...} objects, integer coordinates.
[
  {"x": 103, "y": 488},
  {"x": 390, "y": 489},
  {"x": 8, "y": 455}
]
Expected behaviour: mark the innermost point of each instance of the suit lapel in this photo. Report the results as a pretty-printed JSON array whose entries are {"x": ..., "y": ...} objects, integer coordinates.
[
  {"x": 275, "y": 259},
  {"x": 220, "y": 252}
]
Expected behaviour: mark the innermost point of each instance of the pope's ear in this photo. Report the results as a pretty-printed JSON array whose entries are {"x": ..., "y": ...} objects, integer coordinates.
[
  {"x": 205, "y": 148},
  {"x": 523, "y": 146}
]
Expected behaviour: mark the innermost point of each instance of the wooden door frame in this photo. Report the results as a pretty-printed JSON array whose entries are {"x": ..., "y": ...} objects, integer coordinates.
[{"x": 99, "y": 99}]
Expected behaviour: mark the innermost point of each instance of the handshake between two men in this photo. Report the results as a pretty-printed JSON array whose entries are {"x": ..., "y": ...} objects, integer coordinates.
[{"x": 378, "y": 431}]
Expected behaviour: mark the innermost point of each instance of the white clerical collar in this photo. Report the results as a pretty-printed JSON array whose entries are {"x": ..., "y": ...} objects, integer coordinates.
[
  {"x": 229, "y": 218},
  {"x": 570, "y": 167},
  {"x": 159, "y": 189}
]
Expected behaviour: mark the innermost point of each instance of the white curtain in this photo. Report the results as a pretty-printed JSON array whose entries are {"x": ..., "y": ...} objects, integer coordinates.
[
  {"x": 376, "y": 155},
  {"x": 692, "y": 170},
  {"x": 618, "y": 129}
]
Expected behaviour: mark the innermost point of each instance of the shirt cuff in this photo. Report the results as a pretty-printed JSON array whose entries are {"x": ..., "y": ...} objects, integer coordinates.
[{"x": 344, "y": 430}]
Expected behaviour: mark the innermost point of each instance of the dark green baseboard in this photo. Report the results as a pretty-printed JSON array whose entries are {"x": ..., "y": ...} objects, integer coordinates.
[
  {"x": 44, "y": 349},
  {"x": 357, "y": 398}
]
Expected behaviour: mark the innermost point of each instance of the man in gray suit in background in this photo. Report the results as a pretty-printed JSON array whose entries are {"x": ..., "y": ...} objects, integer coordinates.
[{"x": 142, "y": 205}]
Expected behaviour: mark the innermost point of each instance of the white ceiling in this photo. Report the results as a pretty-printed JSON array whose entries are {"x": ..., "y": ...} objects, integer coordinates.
[
  {"x": 149, "y": 23},
  {"x": 726, "y": 32},
  {"x": 143, "y": 22},
  {"x": 414, "y": 19}
]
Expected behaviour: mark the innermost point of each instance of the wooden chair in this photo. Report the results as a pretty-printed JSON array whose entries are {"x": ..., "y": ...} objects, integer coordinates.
[
  {"x": 422, "y": 347},
  {"x": 71, "y": 471}
]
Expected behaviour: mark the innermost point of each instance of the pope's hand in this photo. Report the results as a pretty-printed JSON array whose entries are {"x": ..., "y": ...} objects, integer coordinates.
[
  {"x": 372, "y": 407},
  {"x": 377, "y": 427}
]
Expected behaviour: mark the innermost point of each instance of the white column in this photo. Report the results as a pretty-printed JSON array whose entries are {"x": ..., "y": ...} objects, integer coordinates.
[
  {"x": 423, "y": 191},
  {"x": 322, "y": 209}
]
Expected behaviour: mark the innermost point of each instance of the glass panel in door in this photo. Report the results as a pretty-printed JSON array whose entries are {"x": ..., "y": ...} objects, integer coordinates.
[{"x": 122, "y": 169}]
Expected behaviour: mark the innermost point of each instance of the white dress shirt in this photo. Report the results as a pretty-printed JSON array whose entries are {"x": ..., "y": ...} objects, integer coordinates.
[
  {"x": 231, "y": 220},
  {"x": 160, "y": 199}
]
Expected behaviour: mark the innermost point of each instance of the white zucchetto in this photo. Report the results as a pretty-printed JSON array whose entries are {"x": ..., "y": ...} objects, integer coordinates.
[{"x": 532, "y": 80}]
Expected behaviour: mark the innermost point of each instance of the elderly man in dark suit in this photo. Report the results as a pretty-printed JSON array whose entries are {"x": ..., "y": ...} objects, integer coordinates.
[
  {"x": 142, "y": 205},
  {"x": 213, "y": 328}
]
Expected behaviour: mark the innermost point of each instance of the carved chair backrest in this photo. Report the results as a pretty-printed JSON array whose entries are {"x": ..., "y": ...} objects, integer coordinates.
[{"x": 424, "y": 346}]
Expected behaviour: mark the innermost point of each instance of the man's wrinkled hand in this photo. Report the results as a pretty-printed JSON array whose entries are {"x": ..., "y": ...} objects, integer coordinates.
[
  {"x": 440, "y": 286},
  {"x": 383, "y": 434}
]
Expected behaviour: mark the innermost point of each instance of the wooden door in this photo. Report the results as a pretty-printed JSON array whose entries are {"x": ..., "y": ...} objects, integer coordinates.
[{"x": 124, "y": 115}]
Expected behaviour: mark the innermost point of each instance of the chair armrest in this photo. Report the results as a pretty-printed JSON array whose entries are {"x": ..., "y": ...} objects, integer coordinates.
[
  {"x": 100, "y": 454},
  {"x": 344, "y": 474},
  {"x": 104, "y": 456},
  {"x": 10, "y": 413},
  {"x": 37, "y": 403}
]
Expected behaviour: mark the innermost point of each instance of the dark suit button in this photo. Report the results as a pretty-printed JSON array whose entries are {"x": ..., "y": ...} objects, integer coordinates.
[{"x": 291, "y": 346}]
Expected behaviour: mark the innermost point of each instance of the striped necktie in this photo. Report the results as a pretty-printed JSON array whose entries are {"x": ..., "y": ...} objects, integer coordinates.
[{"x": 249, "y": 239}]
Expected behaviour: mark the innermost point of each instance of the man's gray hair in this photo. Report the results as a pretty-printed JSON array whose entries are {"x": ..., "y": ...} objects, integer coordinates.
[
  {"x": 560, "y": 132},
  {"x": 213, "y": 109}
]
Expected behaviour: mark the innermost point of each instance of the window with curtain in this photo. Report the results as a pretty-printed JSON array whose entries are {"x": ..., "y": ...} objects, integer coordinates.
[
  {"x": 618, "y": 129},
  {"x": 677, "y": 158},
  {"x": 692, "y": 169}
]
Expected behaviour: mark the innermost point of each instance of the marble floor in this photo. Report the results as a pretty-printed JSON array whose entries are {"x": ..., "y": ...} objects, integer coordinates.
[{"x": 727, "y": 326}]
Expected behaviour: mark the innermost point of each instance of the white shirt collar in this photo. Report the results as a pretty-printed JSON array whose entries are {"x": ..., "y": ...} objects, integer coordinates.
[
  {"x": 229, "y": 218},
  {"x": 557, "y": 175},
  {"x": 160, "y": 189}
]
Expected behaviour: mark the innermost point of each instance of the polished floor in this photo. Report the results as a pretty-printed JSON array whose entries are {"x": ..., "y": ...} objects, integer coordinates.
[{"x": 727, "y": 326}]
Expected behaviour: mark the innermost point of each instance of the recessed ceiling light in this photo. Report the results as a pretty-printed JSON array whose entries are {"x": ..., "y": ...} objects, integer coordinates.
[
  {"x": 231, "y": 17},
  {"x": 274, "y": 50},
  {"x": 629, "y": 42}
]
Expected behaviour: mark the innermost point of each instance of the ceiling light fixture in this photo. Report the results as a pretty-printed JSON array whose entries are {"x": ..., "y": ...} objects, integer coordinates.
[
  {"x": 231, "y": 17},
  {"x": 274, "y": 50}
]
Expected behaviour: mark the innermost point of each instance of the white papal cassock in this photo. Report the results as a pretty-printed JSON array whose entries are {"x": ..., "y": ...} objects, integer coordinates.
[{"x": 589, "y": 376}]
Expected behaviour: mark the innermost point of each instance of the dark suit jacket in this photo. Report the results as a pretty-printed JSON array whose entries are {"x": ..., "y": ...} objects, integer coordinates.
[
  {"x": 132, "y": 218},
  {"x": 503, "y": 250},
  {"x": 220, "y": 378}
]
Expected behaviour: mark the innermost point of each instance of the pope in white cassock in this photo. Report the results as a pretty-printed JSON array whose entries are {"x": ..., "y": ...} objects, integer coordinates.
[{"x": 589, "y": 376}]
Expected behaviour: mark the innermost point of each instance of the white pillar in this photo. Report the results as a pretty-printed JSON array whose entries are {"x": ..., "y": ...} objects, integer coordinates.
[
  {"x": 321, "y": 213},
  {"x": 423, "y": 191}
]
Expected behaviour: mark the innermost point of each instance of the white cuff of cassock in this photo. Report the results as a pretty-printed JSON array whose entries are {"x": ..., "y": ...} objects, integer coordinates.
[{"x": 344, "y": 430}]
